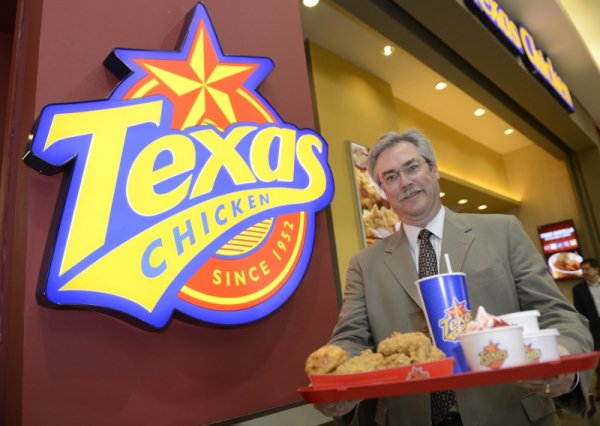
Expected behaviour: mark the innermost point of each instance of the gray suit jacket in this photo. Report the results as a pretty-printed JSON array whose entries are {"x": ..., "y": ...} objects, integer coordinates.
[{"x": 504, "y": 274}]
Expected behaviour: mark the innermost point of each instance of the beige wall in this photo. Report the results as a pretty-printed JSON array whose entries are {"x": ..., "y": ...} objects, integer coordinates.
[
  {"x": 589, "y": 161},
  {"x": 351, "y": 105},
  {"x": 544, "y": 184}
]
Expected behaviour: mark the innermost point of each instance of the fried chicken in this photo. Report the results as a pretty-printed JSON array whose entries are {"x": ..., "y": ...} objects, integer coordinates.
[
  {"x": 325, "y": 359},
  {"x": 416, "y": 346},
  {"x": 367, "y": 360},
  {"x": 397, "y": 350}
]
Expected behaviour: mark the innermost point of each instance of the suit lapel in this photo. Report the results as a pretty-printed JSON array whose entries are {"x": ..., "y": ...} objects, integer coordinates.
[
  {"x": 399, "y": 260},
  {"x": 456, "y": 241}
]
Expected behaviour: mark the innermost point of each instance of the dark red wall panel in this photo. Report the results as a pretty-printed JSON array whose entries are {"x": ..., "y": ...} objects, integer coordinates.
[{"x": 87, "y": 367}]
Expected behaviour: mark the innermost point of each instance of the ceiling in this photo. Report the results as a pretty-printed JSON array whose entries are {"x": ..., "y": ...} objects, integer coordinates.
[
  {"x": 559, "y": 27},
  {"x": 565, "y": 29}
]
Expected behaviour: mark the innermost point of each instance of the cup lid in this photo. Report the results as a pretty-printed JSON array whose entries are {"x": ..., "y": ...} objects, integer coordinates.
[
  {"x": 541, "y": 333},
  {"x": 502, "y": 328},
  {"x": 532, "y": 313}
]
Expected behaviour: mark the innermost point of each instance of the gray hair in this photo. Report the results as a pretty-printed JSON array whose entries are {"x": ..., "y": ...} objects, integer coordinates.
[{"x": 391, "y": 139}]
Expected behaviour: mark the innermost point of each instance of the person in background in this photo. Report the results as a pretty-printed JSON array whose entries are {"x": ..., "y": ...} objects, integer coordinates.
[
  {"x": 586, "y": 298},
  {"x": 504, "y": 271}
]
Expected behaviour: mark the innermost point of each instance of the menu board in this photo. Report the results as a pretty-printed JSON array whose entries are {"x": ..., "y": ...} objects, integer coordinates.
[
  {"x": 378, "y": 220},
  {"x": 561, "y": 249}
]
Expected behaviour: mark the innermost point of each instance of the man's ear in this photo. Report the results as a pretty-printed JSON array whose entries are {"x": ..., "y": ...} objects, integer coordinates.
[{"x": 436, "y": 172}]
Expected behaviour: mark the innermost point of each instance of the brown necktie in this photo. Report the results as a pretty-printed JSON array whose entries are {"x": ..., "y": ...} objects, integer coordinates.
[{"x": 443, "y": 401}]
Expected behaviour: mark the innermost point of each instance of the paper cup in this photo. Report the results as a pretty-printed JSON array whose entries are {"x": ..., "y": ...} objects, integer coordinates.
[
  {"x": 526, "y": 319},
  {"x": 494, "y": 348},
  {"x": 541, "y": 345},
  {"x": 447, "y": 310}
]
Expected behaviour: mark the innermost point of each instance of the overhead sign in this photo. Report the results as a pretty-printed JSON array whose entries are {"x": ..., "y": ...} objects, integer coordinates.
[
  {"x": 186, "y": 190},
  {"x": 520, "y": 41}
]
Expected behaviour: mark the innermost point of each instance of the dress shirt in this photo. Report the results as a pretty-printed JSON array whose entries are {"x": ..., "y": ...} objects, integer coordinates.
[
  {"x": 595, "y": 291},
  {"x": 436, "y": 227}
]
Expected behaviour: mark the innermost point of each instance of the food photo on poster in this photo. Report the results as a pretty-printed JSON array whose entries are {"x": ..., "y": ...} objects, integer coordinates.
[
  {"x": 378, "y": 220},
  {"x": 561, "y": 249}
]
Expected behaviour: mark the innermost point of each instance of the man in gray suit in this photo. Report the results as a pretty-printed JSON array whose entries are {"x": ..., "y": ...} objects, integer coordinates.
[{"x": 504, "y": 274}]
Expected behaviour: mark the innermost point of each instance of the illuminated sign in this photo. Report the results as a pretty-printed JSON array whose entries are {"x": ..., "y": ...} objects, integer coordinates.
[
  {"x": 520, "y": 41},
  {"x": 187, "y": 191},
  {"x": 561, "y": 249}
]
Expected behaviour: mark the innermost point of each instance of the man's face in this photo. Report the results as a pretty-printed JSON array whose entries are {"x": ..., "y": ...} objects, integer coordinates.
[
  {"x": 589, "y": 273},
  {"x": 410, "y": 184}
]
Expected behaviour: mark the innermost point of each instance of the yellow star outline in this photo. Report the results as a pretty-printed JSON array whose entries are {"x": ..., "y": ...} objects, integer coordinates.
[{"x": 203, "y": 89}]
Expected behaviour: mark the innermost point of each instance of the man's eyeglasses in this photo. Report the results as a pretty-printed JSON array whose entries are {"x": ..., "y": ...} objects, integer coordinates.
[{"x": 411, "y": 169}]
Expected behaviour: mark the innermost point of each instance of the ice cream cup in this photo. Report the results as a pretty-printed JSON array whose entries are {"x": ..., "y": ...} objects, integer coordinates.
[
  {"x": 447, "y": 310},
  {"x": 526, "y": 319},
  {"x": 541, "y": 345},
  {"x": 494, "y": 348}
]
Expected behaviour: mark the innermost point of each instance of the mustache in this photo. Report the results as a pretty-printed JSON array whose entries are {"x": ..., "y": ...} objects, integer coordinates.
[{"x": 410, "y": 191}]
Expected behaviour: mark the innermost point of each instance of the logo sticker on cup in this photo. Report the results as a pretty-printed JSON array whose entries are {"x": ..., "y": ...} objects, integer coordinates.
[
  {"x": 493, "y": 356},
  {"x": 532, "y": 355},
  {"x": 456, "y": 319}
]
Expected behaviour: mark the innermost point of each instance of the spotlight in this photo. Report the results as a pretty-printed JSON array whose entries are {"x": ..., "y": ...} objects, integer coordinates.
[{"x": 387, "y": 50}]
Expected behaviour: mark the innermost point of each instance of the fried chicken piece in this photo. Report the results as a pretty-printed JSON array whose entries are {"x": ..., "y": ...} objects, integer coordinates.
[
  {"x": 415, "y": 346},
  {"x": 367, "y": 360},
  {"x": 325, "y": 359},
  {"x": 404, "y": 343},
  {"x": 436, "y": 354},
  {"x": 396, "y": 360}
]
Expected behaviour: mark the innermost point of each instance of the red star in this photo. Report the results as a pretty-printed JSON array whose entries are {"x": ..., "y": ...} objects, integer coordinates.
[
  {"x": 202, "y": 89},
  {"x": 491, "y": 347},
  {"x": 458, "y": 310}
]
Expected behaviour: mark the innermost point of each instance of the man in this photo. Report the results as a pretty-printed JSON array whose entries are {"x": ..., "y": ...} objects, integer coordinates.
[
  {"x": 586, "y": 298},
  {"x": 504, "y": 274}
]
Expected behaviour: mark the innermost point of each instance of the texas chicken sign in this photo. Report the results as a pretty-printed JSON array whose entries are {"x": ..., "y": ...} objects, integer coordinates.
[{"x": 187, "y": 191}]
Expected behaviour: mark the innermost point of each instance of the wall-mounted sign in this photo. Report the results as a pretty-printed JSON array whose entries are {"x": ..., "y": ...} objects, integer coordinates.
[
  {"x": 520, "y": 41},
  {"x": 561, "y": 249},
  {"x": 187, "y": 191}
]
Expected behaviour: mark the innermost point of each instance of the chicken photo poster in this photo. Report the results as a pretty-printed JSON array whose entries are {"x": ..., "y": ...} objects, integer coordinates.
[{"x": 377, "y": 219}]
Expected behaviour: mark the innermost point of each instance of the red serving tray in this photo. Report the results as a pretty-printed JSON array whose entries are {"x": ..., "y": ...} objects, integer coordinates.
[
  {"x": 395, "y": 374},
  {"x": 341, "y": 391}
]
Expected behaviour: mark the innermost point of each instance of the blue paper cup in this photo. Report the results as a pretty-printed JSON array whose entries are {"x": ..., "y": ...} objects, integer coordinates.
[{"x": 447, "y": 310}]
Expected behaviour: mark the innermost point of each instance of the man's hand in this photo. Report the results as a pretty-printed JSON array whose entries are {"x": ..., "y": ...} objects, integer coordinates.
[
  {"x": 550, "y": 386},
  {"x": 336, "y": 409}
]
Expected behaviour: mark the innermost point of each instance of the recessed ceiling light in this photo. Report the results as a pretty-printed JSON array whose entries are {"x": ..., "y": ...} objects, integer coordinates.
[
  {"x": 479, "y": 112},
  {"x": 387, "y": 50},
  {"x": 441, "y": 85},
  {"x": 482, "y": 207},
  {"x": 310, "y": 3},
  {"x": 509, "y": 131},
  {"x": 442, "y": 194},
  {"x": 463, "y": 201}
]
